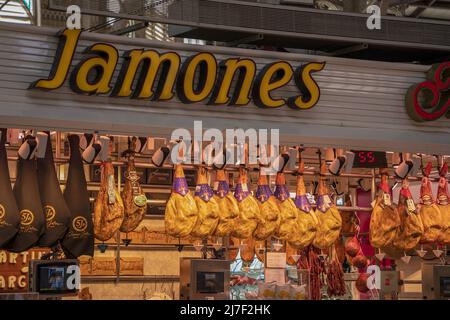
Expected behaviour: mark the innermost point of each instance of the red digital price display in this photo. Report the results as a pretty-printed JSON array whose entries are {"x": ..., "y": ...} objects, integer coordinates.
[{"x": 369, "y": 159}]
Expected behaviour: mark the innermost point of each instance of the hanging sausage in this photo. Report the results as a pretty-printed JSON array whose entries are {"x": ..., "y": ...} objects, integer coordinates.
[
  {"x": 26, "y": 192},
  {"x": 9, "y": 213},
  {"x": 79, "y": 240},
  {"x": 56, "y": 212}
]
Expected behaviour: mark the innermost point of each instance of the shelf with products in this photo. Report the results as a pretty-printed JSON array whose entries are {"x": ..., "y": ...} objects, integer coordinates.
[
  {"x": 143, "y": 278},
  {"x": 151, "y": 247}
]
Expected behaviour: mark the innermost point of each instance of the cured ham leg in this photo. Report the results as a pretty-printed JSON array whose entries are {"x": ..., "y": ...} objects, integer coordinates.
[
  {"x": 79, "y": 240},
  {"x": 32, "y": 218},
  {"x": 330, "y": 220},
  {"x": 289, "y": 226},
  {"x": 208, "y": 209},
  {"x": 9, "y": 213},
  {"x": 411, "y": 227},
  {"x": 134, "y": 199},
  {"x": 109, "y": 209},
  {"x": 444, "y": 205},
  {"x": 385, "y": 220},
  {"x": 181, "y": 210},
  {"x": 307, "y": 220},
  {"x": 228, "y": 206},
  {"x": 248, "y": 208},
  {"x": 56, "y": 211},
  {"x": 428, "y": 210},
  {"x": 269, "y": 217}
]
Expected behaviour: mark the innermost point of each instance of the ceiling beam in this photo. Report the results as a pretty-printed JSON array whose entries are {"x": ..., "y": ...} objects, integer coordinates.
[
  {"x": 419, "y": 10},
  {"x": 132, "y": 28},
  {"x": 4, "y": 4}
]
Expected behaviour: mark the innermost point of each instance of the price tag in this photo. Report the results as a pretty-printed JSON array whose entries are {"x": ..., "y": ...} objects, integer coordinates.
[
  {"x": 197, "y": 188},
  {"x": 244, "y": 187},
  {"x": 140, "y": 200},
  {"x": 387, "y": 199},
  {"x": 411, "y": 205},
  {"x": 216, "y": 186},
  {"x": 326, "y": 199}
]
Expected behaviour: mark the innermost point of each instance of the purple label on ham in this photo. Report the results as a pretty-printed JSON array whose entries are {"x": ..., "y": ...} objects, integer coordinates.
[
  {"x": 405, "y": 193},
  {"x": 204, "y": 191},
  {"x": 321, "y": 204},
  {"x": 222, "y": 189},
  {"x": 239, "y": 193},
  {"x": 282, "y": 192},
  {"x": 263, "y": 193},
  {"x": 180, "y": 186},
  {"x": 302, "y": 203}
]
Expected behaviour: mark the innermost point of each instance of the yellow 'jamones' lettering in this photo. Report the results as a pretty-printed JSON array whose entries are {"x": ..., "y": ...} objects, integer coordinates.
[
  {"x": 204, "y": 65},
  {"x": 68, "y": 41},
  {"x": 151, "y": 62},
  {"x": 227, "y": 72},
  {"x": 307, "y": 85},
  {"x": 93, "y": 75},
  {"x": 150, "y": 74},
  {"x": 271, "y": 77}
]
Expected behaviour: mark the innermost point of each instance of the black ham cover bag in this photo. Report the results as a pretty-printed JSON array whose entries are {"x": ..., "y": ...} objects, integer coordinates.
[
  {"x": 56, "y": 212},
  {"x": 9, "y": 213},
  {"x": 79, "y": 240},
  {"x": 32, "y": 219}
]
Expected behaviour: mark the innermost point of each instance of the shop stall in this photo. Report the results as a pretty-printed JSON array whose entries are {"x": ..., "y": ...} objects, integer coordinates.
[{"x": 100, "y": 164}]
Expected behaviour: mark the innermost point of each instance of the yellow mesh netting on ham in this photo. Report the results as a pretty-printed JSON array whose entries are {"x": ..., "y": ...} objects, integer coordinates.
[
  {"x": 269, "y": 214},
  {"x": 248, "y": 208},
  {"x": 411, "y": 226},
  {"x": 208, "y": 209},
  {"x": 428, "y": 210},
  {"x": 181, "y": 210},
  {"x": 330, "y": 220},
  {"x": 307, "y": 220},
  {"x": 228, "y": 206},
  {"x": 288, "y": 210},
  {"x": 385, "y": 220}
]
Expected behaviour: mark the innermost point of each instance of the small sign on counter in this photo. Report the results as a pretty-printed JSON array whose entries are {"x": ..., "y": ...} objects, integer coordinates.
[{"x": 275, "y": 275}]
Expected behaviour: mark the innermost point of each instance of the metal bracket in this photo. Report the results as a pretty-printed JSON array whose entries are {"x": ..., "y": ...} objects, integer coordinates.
[
  {"x": 351, "y": 49},
  {"x": 4, "y": 4},
  {"x": 132, "y": 28},
  {"x": 246, "y": 40}
]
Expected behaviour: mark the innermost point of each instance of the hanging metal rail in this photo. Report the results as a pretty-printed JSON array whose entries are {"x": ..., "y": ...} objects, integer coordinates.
[{"x": 233, "y": 168}]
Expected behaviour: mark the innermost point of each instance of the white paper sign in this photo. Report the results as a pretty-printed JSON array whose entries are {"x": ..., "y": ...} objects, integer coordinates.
[{"x": 276, "y": 260}]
